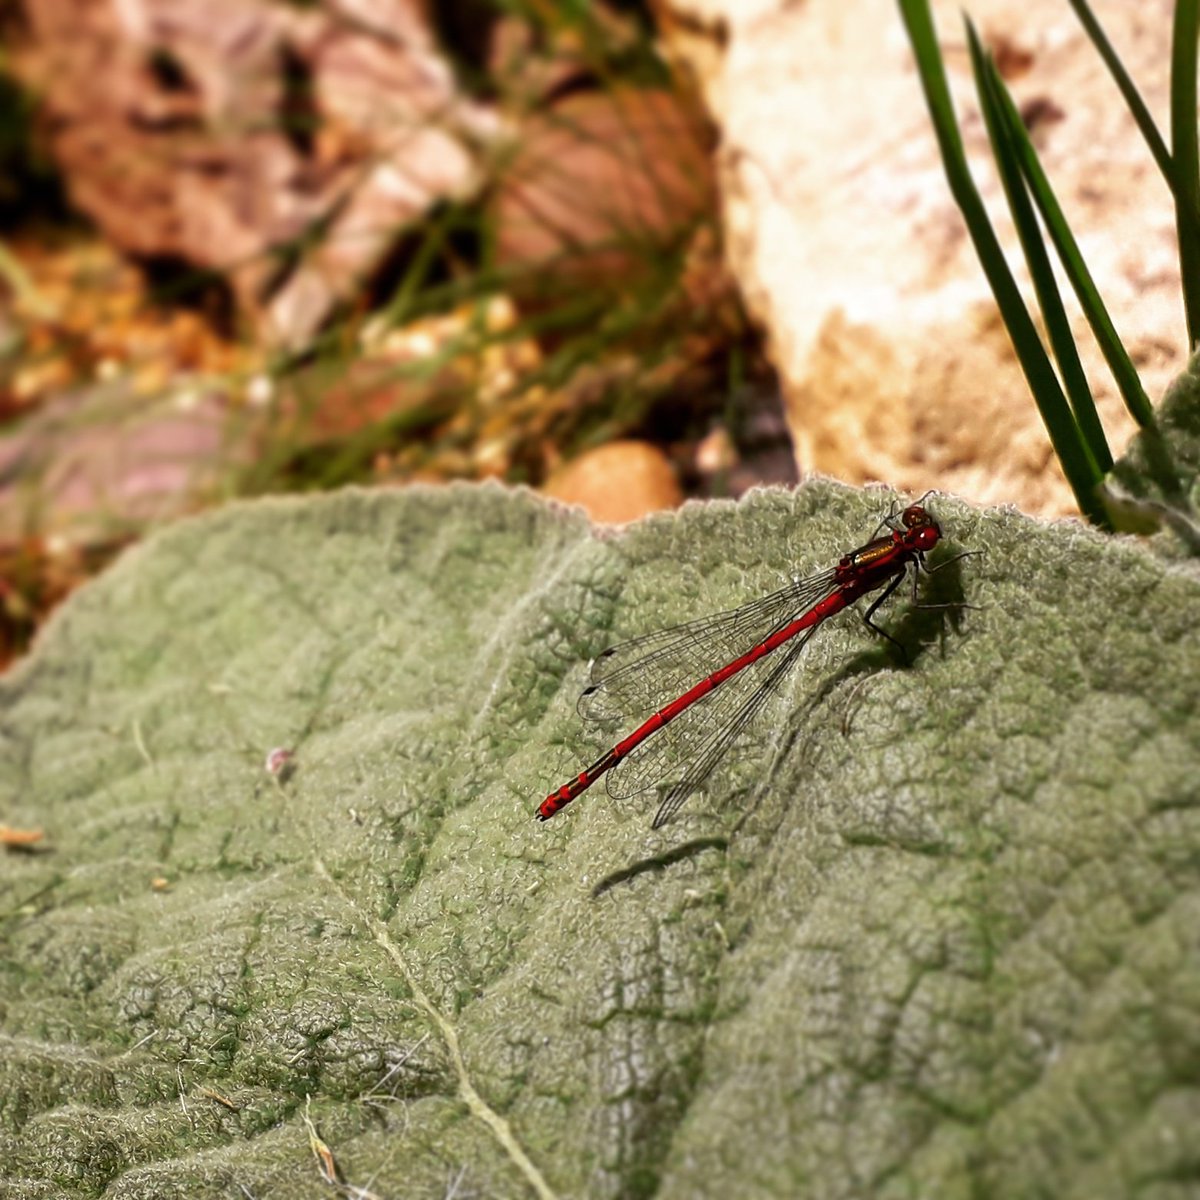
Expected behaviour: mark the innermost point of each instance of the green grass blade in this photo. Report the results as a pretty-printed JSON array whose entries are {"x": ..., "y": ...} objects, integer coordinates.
[
  {"x": 1078, "y": 465},
  {"x": 1133, "y": 98},
  {"x": 1119, "y": 362},
  {"x": 1058, "y": 326},
  {"x": 1184, "y": 156},
  {"x": 1181, "y": 181}
]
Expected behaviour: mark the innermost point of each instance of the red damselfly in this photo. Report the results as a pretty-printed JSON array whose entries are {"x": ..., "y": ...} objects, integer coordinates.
[{"x": 692, "y": 713}]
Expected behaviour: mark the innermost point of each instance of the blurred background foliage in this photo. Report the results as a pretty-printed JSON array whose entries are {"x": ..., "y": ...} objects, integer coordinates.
[
  {"x": 257, "y": 246},
  {"x": 279, "y": 248}
]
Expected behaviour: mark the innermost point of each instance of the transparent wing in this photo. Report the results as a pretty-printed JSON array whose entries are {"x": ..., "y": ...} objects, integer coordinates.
[
  {"x": 728, "y": 731},
  {"x": 634, "y": 679},
  {"x": 675, "y": 745}
]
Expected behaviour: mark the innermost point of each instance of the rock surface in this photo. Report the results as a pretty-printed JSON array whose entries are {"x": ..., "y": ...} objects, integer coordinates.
[
  {"x": 602, "y": 181},
  {"x": 219, "y": 132},
  {"x": 852, "y": 253}
]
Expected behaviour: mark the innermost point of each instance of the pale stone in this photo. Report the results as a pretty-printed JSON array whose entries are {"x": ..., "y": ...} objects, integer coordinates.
[
  {"x": 219, "y": 133},
  {"x": 618, "y": 482},
  {"x": 851, "y": 252}
]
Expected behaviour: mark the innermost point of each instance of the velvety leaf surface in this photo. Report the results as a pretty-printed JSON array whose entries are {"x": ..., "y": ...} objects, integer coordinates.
[
  {"x": 935, "y": 931},
  {"x": 1162, "y": 465}
]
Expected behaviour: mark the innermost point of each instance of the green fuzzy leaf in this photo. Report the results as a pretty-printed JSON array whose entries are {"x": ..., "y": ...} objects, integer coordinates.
[
  {"x": 931, "y": 933},
  {"x": 1159, "y": 474}
]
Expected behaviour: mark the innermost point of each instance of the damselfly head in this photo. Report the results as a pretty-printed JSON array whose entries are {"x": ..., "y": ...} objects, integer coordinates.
[{"x": 924, "y": 531}]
